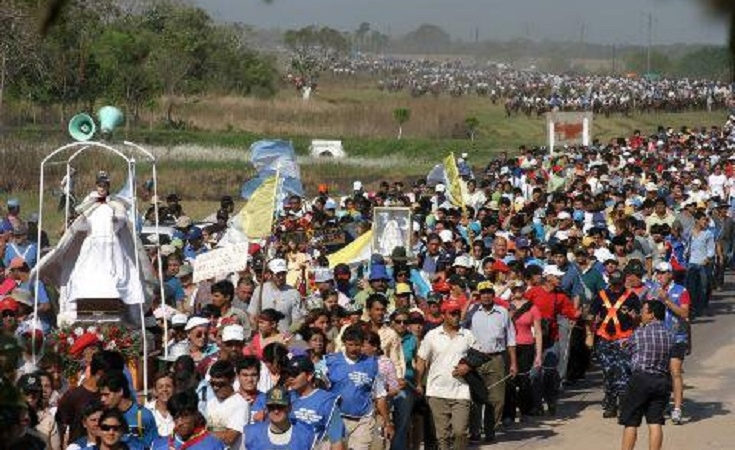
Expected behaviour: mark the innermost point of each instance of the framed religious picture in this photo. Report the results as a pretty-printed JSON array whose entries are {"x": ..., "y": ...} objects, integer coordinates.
[{"x": 391, "y": 228}]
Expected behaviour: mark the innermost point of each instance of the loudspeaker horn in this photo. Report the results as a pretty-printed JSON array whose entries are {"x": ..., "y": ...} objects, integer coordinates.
[
  {"x": 81, "y": 127},
  {"x": 110, "y": 118}
]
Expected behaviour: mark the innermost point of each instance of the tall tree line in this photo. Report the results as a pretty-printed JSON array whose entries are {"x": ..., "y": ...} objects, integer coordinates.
[{"x": 127, "y": 53}]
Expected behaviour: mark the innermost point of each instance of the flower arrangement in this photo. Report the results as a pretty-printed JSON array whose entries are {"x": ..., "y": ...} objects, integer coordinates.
[{"x": 69, "y": 343}]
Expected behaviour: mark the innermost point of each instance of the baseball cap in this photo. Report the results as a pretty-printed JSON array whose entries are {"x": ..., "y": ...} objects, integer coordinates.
[
  {"x": 663, "y": 266},
  {"x": 179, "y": 320},
  {"x": 299, "y": 364},
  {"x": 403, "y": 289},
  {"x": 277, "y": 396},
  {"x": 445, "y": 235},
  {"x": 485, "y": 286},
  {"x": 378, "y": 272},
  {"x": 439, "y": 188},
  {"x": 278, "y": 265},
  {"x": 194, "y": 233},
  {"x": 616, "y": 277},
  {"x": 450, "y": 306},
  {"x": 462, "y": 261},
  {"x": 30, "y": 383},
  {"x": 563, "y": 215},
  {"x": 194, "y": 322},
  {"x": 13, "y": 203},
  {"x": 433, "y": 297},
  {"x": 356, "y": 185},
  {"x": 17, "y": 263},
  {"x": 183, "y": 222},
  {"x": 8, "y": 304},
  {"x": 233, "y": 332},
  {"x": 553, "y": 270}
]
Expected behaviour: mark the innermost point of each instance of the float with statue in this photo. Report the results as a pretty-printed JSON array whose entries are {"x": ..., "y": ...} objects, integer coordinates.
[{"x": 105, "y": 278}]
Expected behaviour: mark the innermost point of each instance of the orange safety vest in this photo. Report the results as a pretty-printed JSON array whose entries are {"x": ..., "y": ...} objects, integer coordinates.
[{"x": 612, "y": 315}]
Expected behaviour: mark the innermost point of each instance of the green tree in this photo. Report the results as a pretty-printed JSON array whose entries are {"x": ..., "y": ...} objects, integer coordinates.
[
  {"x": 707, "y": 62},
  {"x": 638, "y": 62},
  {"x": 471, "y": 124},
  {"x": 429, "y": 38},
  {"x": 401, "y": 116}
]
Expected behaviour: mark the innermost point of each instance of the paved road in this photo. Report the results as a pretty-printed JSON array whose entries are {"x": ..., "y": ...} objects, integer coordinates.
[{"x": 709, "y": 399}]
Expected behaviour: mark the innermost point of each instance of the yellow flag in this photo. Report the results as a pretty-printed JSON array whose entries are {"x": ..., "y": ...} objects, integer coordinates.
[
  {"x": 256, "y": 218},
  {"x": 454, "y": 182},
  {"x": 357, "y": 251}
]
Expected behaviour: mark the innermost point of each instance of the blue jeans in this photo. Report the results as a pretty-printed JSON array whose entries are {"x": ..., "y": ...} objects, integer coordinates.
[
  {"x": 697, "y": 283},
  {"x": 402, "y": 408}
]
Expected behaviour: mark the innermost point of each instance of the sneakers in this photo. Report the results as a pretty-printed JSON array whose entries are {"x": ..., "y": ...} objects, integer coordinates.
[{"x": 676, "y": 416}]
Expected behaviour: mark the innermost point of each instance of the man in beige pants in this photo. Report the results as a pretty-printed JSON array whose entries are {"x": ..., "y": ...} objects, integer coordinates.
[{"x": 448, "y": 394}]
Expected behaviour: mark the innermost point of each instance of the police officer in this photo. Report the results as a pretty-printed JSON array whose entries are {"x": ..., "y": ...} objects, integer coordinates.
[
  {"x": 615, "y": 310},
  {"x": 278, "y": 431}
]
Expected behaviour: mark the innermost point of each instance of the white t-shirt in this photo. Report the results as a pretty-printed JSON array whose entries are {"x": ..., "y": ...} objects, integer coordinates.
[
  {"x": 232, "y": 414},
  {"x": 717, "y": 185}
]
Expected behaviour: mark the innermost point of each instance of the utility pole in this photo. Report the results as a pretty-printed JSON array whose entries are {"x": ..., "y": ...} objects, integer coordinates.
[
  {"x": 614, "y": 50},
  {"x": 650, "y": 39}
]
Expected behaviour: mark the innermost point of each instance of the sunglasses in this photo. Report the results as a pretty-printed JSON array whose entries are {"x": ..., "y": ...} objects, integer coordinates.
[
  {"x": 218, "y": 384},
  {"x": 401, "y": 321},
  {"x": 276, "y": 407},
  {"x": 7, "y": 313},
  {"x": 108, "y": 427},
  {"x": 455, "y": 313}
]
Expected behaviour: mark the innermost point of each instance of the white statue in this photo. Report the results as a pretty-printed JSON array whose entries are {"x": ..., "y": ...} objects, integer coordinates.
[{"x": 95, "y": 259}]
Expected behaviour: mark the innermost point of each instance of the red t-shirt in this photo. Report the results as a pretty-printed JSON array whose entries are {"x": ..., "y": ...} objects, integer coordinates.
[{"x": 552, "y": 304}]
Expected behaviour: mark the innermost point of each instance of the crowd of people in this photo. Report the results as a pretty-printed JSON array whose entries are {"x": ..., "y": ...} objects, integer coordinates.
[
  {"x": 533, "y": 91},
  {"x": 548, "y": 265}
]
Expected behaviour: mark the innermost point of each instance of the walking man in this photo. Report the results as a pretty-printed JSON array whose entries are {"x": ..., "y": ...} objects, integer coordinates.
[
  {"x": 615, "y": 309},
  {"x": 650, "y": 385},
  {"x": 494, "y": 335},
  {"x": 447, "y": 392}
]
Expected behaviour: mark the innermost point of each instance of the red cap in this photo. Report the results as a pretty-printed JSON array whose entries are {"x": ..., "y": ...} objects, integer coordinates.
[
  {"x": 449, "y": 306},
  {"x": 253, "y": 248},
  {"x": 500, "y": 266},
  {"x": 83, "y": 342},
  {"x": 8, "y": 304},
  {"x": 17, "y": 263},
  {"x": 441, "y": 286}
]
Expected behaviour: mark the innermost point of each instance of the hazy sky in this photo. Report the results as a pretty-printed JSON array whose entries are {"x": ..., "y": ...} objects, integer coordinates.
[{"x": 606, "y": 21}]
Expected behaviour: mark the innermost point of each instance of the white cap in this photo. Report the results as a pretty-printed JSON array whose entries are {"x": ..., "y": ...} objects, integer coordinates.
[
  {"x": 493, "y": 205},
  {"x": 464, "y": 155},
  {"x": 553, "y": 270},
  {"x": 602, "y": 254},
  {"x": 562, "y": 235},
  {"x": 178, "y": 319},
  {"x": 330, "y": 204},
  {"x": 697, "y": 181},
  {"x": 233, "y": 332},
  {"x": 356, "y": 185},
  {"x": 439, "y": 188},
  {"x": 278, "y": 265},
  {"x": 166, "y": 249},
  {"x": 462, "y": 261},
  {"x": 322, "y": 275},
  {"x": 196, "y": 321},
  {"x": 663, "y": 266},
  {"x": 651, "y": 187},
  {"x": 563, "y": 215},
  {"x": 446, "y": 235},
  {"x": 164, "y": 311}
]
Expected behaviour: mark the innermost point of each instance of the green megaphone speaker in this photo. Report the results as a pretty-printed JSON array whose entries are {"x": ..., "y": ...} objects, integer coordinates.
[
  {"x": 81, "y": 127},
  {"x": 109, "y": 118}
]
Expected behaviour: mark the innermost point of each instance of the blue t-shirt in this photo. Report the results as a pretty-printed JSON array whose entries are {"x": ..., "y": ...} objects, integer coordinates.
[
  {"x": 353, "y": 382},
  {"x": 26, "y": 251},
  {"x": 136, "y": 421},
  {"x": 209, "y": 442},
  {"x": 256, "y": 437},
  {"x": 320, "y": 411},
  {"x": 177, "y": 288},
  {"x": 257, "y": 406}
]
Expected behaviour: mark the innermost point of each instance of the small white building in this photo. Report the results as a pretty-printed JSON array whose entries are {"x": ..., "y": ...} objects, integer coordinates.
[{"x": 326, "y": 148}]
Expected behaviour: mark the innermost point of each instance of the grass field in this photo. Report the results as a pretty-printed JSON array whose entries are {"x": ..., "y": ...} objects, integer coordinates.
[{"x": 209, "y": 157}]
